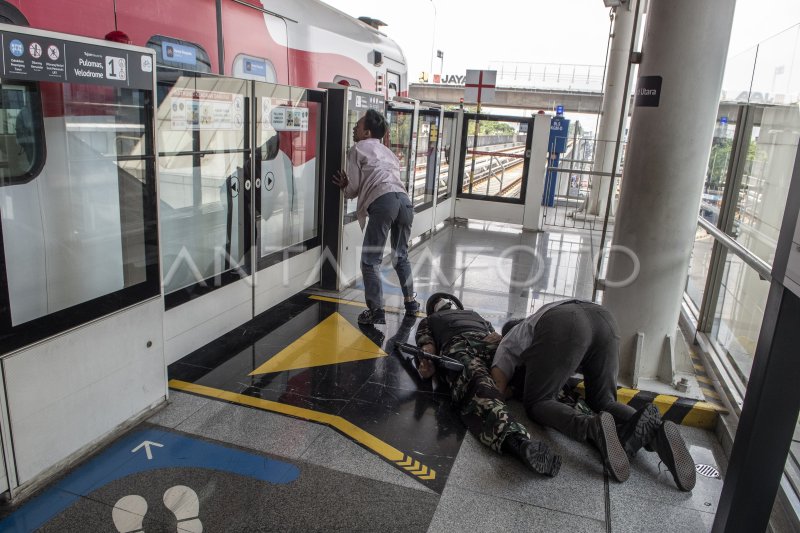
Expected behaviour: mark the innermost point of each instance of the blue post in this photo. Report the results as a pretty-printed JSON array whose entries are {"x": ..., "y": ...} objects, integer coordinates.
[
  {"x": 559, "y": 132},
  {"x": 551, "y": 183}
]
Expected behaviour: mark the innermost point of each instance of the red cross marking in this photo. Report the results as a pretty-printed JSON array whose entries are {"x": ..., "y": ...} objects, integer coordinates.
[{"x": 480, "y": 85}]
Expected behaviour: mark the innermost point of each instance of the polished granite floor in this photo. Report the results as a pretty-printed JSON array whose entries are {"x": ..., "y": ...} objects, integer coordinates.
[{"x": 317, "y": 424}]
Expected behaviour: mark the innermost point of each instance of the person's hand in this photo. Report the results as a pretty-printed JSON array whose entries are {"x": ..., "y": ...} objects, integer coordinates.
[
  {"x": 492, "y": 337},
  {"x": 426, "y": 368},
  {"x": 429, "y": 347},
  {"x": 340, "y": 179}
]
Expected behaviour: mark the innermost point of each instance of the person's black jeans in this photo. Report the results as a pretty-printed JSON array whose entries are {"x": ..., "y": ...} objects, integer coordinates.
[
  {"x": 569, "y": 336},
  {"x": 391, "y": 212}
]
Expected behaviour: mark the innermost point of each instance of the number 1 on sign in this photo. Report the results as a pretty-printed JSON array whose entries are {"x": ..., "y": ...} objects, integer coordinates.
[{"x": 116, "y": 68}]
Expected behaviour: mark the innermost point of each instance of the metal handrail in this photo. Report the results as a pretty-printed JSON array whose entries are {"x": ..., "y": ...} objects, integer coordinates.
[{"x": 761, "y": 267}]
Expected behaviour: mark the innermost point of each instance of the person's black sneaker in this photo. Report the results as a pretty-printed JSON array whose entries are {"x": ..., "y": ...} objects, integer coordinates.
[
  {"x": 412, "y": 308},
  {"x": 372, "y": 316},
  {"x": 672, "y": 451},
  {"x": 640, "y": 430},
  {"x": 602, "y": 433},
  {"x": 535, "y": 455}
]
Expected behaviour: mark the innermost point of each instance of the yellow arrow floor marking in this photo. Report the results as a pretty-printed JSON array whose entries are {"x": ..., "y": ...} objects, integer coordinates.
[
  {"x": 332, "y": 341},
  {"x": 346, "y": 427}
]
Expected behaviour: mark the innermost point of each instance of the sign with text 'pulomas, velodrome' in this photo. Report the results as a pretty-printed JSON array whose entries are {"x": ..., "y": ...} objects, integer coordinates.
[{"x": 46, "y": 58}]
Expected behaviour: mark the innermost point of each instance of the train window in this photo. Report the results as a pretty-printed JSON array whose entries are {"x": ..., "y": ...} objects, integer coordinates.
[
  {"x": 21, "y": 141},
  {"x": 177, "y": 53},
  {"x": 392, "y": 84},
  {"x": 254, "y": 68}
]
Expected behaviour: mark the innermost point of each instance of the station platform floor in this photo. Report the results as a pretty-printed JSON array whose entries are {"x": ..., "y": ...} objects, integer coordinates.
[{"x": 301, "y": 420}]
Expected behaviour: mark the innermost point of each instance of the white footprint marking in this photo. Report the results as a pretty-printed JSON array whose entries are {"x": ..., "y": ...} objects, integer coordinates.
[
  {"x": 128, "y": 513},
  {"x": 185, "y": 505}
]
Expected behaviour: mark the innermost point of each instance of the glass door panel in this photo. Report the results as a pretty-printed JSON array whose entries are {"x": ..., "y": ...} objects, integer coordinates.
[
  {"x": 288, "y": 137},
  {"x": 204, "y": 143},
  {"x": 426, "y": 166},
  {"x": 447, "y": 140},
  {"x": 401, "y": 121}
]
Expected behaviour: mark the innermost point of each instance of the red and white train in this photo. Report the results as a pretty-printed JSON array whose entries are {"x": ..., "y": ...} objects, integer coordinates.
[{"x": 290, "y": 42}]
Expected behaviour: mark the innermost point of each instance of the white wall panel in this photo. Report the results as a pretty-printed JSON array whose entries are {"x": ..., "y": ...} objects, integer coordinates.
[
  {"x": 68, "y": 392},
  {"x": 198, "y": 322},
  {"x": 423, "y": 222},
  {"x": 486, "y": 210},
  {"x": 281, "y": 281}
]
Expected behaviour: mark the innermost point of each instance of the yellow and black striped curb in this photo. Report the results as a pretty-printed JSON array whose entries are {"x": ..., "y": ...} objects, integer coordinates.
[
  {"x": 369, "y": 441},
  {"x": 684, "y": 411}
]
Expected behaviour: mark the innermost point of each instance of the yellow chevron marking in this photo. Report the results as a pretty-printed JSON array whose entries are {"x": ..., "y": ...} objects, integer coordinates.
[
  {"x": 414, "y": 466},
  {"x": 407, "y": 462},
  {"x": 430, "y": 476},
  {"x": 421, "y": 472}
]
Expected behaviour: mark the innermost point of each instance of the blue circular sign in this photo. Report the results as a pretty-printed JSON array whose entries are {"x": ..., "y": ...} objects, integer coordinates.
[{"x": 16, "y": 47}]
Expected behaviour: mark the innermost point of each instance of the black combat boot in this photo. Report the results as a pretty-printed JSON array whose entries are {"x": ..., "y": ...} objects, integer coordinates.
[
  {"x": 640, "y": 430},
  {"x": 602, "y": 432},
  {"x": 535, "y": 455},
  {"x": 672, "y": 451}
]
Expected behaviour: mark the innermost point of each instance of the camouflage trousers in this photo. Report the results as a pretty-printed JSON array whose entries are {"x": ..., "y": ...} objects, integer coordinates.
[{"x": 475, "y": 395}]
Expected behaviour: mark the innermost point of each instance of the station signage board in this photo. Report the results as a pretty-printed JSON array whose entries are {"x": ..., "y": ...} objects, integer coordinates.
[
  {"x": 44, "y": 58},
  {"x": 648, "y": 91},
  {"x": 559, "y": 132}
]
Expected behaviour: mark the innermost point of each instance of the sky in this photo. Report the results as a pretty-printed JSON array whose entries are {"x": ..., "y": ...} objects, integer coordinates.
[{"x": 563, "y": 32}]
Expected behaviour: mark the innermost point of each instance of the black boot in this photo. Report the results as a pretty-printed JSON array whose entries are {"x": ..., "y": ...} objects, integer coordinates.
[
  {"x": 640, "y": 430},
  {"x": 602, "y": 432},
  {"x": 672, "y": 451},
  {"x": 535, "y": 455}
]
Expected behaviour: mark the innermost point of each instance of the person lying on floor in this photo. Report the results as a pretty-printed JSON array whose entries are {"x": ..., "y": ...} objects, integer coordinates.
[
  {"x": 467, "y": 337},
  {"x": 553, "y": 344}
]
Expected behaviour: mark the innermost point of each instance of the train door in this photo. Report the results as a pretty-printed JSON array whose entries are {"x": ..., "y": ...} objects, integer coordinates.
[
  {"x": 287, "y": 184},
  {"x": 342, "y": 236},
  {"x": 449, "y": 134},
  {"x": 205, "y": 189},
  {"x": 493, "y": 167},
  {"x": 80, "y": 307},
  {"x": 425, "y": 169}
]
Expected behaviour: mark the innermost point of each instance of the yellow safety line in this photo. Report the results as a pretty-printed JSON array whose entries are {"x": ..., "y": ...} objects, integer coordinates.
[
  {"x": 357, "y": 304},
  {"x": 348, "y": 428}
]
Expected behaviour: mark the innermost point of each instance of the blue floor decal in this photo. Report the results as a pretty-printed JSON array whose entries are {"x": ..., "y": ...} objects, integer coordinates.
[{"x": 141, "y": 451}]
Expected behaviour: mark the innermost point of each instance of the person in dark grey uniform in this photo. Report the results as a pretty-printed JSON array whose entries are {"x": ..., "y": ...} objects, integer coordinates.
[{"x": 570, "y": 336}]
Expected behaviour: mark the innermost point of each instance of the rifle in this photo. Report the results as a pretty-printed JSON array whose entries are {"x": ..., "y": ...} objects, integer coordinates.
[{"x": 440, "y": 361}]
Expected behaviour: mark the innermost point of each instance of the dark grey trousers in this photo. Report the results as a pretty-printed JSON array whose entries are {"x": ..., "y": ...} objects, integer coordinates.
[
  {"x": 391, "y": 212},
  {"x": 565, "y": 338}
]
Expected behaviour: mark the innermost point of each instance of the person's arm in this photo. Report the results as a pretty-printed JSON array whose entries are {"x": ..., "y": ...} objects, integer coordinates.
[
  {"x": 353, "y": 174},
  {"x": 501, "y": 382},
  {"x": 506, "y": 359}
]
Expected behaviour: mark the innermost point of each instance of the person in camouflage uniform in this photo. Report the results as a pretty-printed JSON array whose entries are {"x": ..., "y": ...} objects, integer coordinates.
[{"x": 466, "y": 337}]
